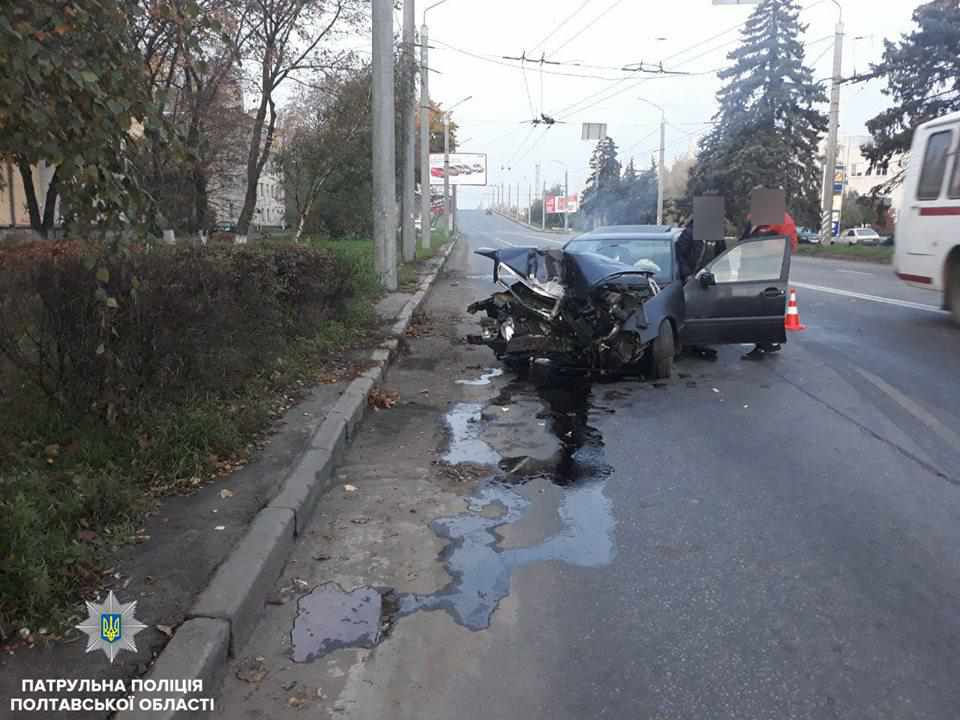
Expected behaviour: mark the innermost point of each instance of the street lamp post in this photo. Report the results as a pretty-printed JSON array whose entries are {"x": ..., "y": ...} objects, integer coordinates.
[
  {"x": 446, "y": 163},
  {"x": 830, "y": 160},
  {"x": 661, "y": 170},
  {"x": 426, "y": 200}
]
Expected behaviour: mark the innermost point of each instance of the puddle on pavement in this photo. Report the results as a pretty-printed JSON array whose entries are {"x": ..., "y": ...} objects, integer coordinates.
[
  {"x": 330, "y": 618},
  {"x": 465, "y": 443},
  {"x": 481, "y": 572},
  {"x": 484, "y": 379}
]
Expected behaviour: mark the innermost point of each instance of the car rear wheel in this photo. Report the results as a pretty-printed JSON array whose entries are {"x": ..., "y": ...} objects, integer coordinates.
[{"x": 661, "y": 353}]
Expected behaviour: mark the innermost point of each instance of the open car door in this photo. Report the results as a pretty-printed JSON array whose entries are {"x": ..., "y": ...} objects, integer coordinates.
[{"x": 741, "y": 296}]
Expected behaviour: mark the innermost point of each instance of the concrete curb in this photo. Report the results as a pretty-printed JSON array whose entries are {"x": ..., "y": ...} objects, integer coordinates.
[
  {"x": 528, "y": 226},
  {"x": 225, "y": 614}
]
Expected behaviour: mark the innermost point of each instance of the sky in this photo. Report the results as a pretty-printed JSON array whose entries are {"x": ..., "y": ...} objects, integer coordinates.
[{"x": 469, "y": 38}]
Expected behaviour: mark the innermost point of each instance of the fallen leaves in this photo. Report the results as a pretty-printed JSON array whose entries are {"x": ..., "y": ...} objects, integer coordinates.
[
  {"x": 252, "y": 670},
  {"x": 382, "y": 399}
]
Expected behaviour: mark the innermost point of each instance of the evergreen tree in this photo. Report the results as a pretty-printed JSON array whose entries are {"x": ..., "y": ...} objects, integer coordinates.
[
  {"x": 603, "y": 186},
  {"x": 638, "y": 196},
  {"x": 923, "y": 79},
  {"x": 767, "y": 127}
]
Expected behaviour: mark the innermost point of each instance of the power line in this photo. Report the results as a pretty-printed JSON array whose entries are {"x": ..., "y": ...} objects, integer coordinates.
[
  {"x": 588, "y": 26},
  {"x": 562, "y": 23}
]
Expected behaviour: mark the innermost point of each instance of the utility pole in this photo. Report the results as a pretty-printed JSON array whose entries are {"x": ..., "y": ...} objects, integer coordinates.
[
  {"x": 663, "y": 169},
  {"x": 446, "y": 172},
  {"x": 830, "y": 161},
  {"x": 543, "y": 205},
  {"x": 529, "y": 204},
  {"x": 384, "y": 147},
  {"x": 426, "y": 197},
  {"x": 409, "y": 231},
  {"x": 566, "y": 194}
]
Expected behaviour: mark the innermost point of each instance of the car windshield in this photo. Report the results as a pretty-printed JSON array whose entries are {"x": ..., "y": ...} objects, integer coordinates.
[{"x": 635, "y": 252}]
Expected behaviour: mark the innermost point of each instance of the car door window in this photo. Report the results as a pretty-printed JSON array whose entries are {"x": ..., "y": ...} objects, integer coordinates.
[
  {"x": 934, "y": 165},
  {"x": 751, "y": 261}
]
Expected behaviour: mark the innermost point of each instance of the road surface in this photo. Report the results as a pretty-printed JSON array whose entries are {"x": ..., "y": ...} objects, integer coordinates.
[{"x": 773, "y": 539}]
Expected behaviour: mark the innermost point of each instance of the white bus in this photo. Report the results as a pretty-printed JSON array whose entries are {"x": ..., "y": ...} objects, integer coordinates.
[{"x": 928, "y": 229}]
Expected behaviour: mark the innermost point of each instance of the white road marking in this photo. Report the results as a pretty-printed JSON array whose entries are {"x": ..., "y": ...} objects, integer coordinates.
[
  {"x": 914, "y": 408},
  {"x": 856, "y": 272},
  {"x": 870, "y": 298}
]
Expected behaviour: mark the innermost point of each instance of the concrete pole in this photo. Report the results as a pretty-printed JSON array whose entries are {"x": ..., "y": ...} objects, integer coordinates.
[
  {"x": 662, "y": 170},
  {"x": 409, "y": 232},
  {"x": 446, "y": 172},
  {"x": 453, "y": 213},
  {"x": 543, "y": 207},
  {"x": 830, "y": 161},
  {"x": 384, "y": 147},
  {"x": 426, "y": 206}
]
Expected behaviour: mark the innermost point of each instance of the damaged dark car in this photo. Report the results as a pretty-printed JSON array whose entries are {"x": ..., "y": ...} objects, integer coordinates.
[{"x": 611, "y": 302}]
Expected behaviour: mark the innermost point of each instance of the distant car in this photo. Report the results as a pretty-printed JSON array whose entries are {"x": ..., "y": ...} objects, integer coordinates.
[
  {"x": 806, "y": 236},
  {"x": 859, "y": 236},
  {"x": 224, "y": 227},
  {"x": 489, "y": 211}
]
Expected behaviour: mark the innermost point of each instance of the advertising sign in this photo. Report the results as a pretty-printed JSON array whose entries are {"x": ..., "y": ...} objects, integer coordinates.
[
  {"x": 465, "y": 168},
  {"x": 559, "y": 205},
  {"x": 839, "y": 179}
]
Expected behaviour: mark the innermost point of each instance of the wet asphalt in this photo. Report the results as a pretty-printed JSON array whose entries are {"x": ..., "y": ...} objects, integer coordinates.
[{"x": 774, "y": 539}]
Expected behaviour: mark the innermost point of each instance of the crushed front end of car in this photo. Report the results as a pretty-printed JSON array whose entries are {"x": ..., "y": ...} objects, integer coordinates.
[{"x": 576, "y": 312}]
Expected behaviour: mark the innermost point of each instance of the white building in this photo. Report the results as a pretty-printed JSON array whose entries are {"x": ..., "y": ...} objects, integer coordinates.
[{"x": 860, "y": 178}]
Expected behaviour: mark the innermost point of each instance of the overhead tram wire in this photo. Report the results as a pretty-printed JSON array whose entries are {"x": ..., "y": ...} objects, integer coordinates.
[
  {"x": 587, "y": 26},
  {"x": 562, "y": 23},
  {"x": 567, "y": 111}
]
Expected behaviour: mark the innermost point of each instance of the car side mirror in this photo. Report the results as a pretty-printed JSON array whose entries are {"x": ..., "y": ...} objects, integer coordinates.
[{"x": 707, "y": 279}]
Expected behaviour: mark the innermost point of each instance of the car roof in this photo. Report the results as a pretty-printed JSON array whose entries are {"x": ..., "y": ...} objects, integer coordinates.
[{"x": 636, "y": 232}]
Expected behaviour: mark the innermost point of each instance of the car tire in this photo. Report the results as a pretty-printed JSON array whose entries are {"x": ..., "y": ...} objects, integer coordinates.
[{"x": 660, "y": 354}]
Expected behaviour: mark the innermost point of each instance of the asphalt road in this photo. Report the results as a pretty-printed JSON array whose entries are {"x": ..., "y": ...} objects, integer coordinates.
[{"x": 751, "y": 540}]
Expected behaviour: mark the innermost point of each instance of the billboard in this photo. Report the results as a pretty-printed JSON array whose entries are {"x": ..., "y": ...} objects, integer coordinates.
[
  {"x": 465, "y": 168},
  {"x": 559, "y": 205}
]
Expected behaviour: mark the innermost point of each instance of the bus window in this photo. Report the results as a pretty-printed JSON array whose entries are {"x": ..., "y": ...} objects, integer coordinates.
[
  {"x": 934, "y": 165},
  {"x": 954, "y": 191}
]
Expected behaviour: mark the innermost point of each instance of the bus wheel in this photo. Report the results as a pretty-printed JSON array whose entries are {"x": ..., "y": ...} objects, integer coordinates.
[{"x": 953, "y": 288}]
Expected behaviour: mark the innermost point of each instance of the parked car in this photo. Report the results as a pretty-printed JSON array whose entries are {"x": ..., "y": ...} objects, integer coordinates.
[
  {"x": 612, "y": 302},
  {"x": 859, "y": 236},
  {"x": 806, "y": 236}
]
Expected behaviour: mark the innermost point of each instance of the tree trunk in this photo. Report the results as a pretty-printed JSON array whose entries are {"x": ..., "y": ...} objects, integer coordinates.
[
  {"x": 50, "y": 203},
  {"x": 254, "y": 166},
  {"x": 26, "y": 174},
  {"x": 302, "y": 221}
]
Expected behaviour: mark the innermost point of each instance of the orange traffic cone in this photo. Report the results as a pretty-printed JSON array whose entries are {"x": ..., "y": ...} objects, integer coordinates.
[{"x": 792, "y": 320}]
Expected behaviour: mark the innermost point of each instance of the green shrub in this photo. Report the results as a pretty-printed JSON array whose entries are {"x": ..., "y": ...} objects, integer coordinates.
[{"x": 130, "y": 373}]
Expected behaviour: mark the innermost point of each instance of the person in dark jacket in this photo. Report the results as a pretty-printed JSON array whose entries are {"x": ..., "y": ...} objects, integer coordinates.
[
  {"x": 691, "y": 256},
  {"x": 689, "y": 253}
]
